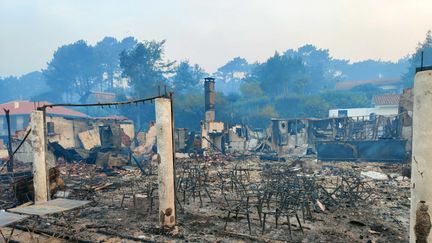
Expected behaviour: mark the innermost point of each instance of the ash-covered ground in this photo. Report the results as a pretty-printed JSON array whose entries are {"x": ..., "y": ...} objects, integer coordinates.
[{"x": 334, "y": 202}]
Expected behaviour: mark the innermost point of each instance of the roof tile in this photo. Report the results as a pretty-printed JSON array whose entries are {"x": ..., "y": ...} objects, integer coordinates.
[
  {"x": 386, "y": 99},
  {"x": 24, "y": 107}
]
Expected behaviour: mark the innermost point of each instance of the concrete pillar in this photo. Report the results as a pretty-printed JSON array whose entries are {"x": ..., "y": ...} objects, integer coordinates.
[
  {"x": 165, "y": 148},
  {"x": 204, "y": 136},
  {"x": 421, "y": 172},
  {"x": 40, "y": 170}
]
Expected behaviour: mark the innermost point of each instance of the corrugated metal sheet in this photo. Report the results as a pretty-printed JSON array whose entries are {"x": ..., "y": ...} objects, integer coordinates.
[{"x": 383, "y": 150}]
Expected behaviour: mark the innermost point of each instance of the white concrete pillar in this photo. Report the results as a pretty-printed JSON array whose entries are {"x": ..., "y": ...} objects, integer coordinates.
[
  {"x": 421, "y": 172},
  {"x": 40, "y": 170},
  {"x": 204, "y": 136},
  {"x": 166, "y": 177}
]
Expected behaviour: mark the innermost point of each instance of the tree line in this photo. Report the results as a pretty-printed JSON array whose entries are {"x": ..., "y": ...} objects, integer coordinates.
[{"x": 296, "y": 83}]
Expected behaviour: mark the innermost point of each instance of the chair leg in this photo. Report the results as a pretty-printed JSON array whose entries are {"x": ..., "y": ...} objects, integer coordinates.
[
  {"x": 10, "y": 235},
  {"x": 179, "y": 204},
  {"x": 289, "y": 226},
  {"x": 303, "y": 214},
  {"x": 249, "y": 223},
  {"x": 259, "y": 214},
  {"x": 200, "y": 198},
  {"x": 151, "y": 203},
  {"x": 263, "y": 223},
  {"x": 208, "y": 194},
  {"x": 298, "y": 220},
  {"x": 121, "y": 204},
  {"x": 4, "y": 237},
  {"x": 227, "y": 218},
  {"x": 309, "y": 212}
]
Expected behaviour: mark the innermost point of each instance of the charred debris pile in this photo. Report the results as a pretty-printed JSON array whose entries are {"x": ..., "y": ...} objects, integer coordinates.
[{"x": 343, "y": 178}]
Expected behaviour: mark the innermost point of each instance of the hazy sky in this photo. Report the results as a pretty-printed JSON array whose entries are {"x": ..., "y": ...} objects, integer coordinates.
[{"x": 211, "y": 32}]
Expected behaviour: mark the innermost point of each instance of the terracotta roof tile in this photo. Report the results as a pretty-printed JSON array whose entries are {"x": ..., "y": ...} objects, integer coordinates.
[
  {"x": 386, "y": 99},
  {"x": 24, "y": 107}
]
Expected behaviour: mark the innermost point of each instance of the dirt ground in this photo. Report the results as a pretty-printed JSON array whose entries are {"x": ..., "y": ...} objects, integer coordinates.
[{"x": 380, "y": 214}]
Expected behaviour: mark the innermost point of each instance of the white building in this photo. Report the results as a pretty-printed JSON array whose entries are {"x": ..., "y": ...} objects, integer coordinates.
[{"x": 385, "y": 105}]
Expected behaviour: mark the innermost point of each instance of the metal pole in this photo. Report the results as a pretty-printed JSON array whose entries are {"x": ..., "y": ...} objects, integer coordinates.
[
  {"x": 10, "y": 161},
  {"x": 421, "y": 65}
]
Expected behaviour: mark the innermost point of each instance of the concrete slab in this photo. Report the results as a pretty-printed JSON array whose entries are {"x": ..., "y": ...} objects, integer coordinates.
[
  {"x": 90, "y": 138},
  {"x": 10, "y": 218},
  {"x": 54, "y": 206}
]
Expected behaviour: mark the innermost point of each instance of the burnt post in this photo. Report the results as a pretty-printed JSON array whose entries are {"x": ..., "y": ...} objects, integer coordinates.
[
  {"x": 10, "y": 153},
  {"x": 165, "y": 150}
]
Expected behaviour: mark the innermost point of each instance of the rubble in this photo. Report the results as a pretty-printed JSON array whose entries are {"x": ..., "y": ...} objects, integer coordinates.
[
  {"x": 90, "y": 139},
  {"x": 226, "y": 184},
  {"x": 374, "y": 175},
  {"x": 382, "y": 210}
]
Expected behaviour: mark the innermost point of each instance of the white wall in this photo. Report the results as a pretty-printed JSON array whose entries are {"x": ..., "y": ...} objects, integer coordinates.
[{"x": 352, "y": 112}]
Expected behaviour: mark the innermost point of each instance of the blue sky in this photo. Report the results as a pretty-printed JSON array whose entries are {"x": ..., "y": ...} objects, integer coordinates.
[{"x": 211, "y": 32}]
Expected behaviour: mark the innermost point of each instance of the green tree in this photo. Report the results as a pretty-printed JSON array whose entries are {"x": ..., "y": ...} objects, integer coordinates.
[
  {"x": 251, "y": 89},
  {"x": 78, "y": 68},
  {"x": 318, "y": 65},
  {"x": 187, "y": 77},
  {"x": 145, "y": 68},
  {"x": 281, "y": 75},
  {"x": 107, "y": 54},
  {"x": 237, "y": 64},
  {"x": 188, "y": 110},
  {"x": 73, "y": 70},
  {"x": 415, "y": 59},
  {"x": 261, "y": 116}
]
